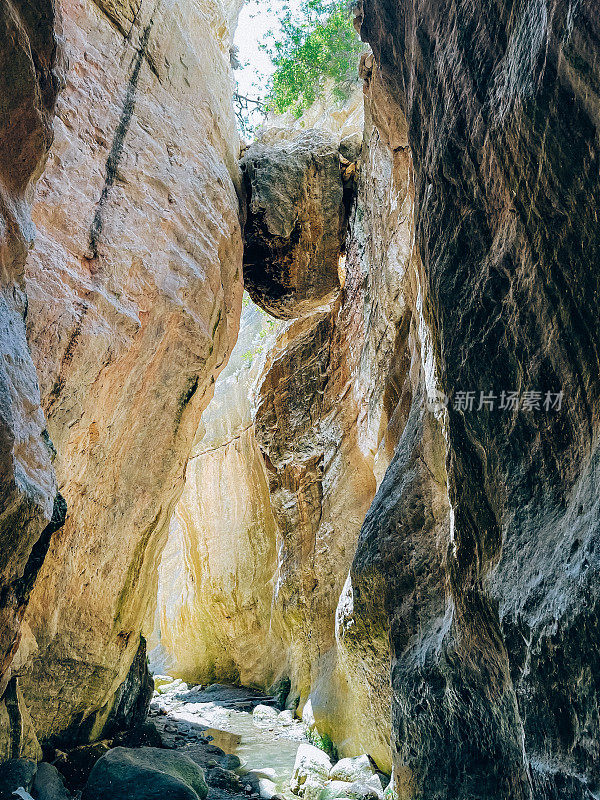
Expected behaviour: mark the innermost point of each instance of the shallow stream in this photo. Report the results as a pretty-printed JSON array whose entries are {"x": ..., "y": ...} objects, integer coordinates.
[{"x": 261, "y": 741}]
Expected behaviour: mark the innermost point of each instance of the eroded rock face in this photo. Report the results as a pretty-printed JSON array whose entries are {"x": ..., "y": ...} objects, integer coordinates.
[
  {"x": 297, "y": 222},
  {"x": 494, "y": 616},
  {"x": 218, "y": 569},
  {"x": 135, "y": 293},
  {"x": 30, "y": 509},
  {"x": 287, "y": 465}
]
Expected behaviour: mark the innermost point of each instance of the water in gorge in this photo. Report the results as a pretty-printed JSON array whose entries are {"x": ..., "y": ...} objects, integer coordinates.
[{"x": 266, "y": 741}]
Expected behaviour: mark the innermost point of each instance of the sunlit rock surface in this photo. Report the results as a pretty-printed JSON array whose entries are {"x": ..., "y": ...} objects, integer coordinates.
[
  {"x": 344, "y": 120},
  {"x": 30, "y": 74},
  {"x": 494, "y": 618},
  {"x": 135, "y": 294},
  {"x": 218, "y": 569}
]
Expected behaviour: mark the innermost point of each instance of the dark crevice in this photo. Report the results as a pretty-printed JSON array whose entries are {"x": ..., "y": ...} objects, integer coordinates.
[
  {"x": 11, "y": 701},
  {"x": 185, "y": 398},
  {"x": 23, "y": 586},
  {"x": 116, "y": 150}
]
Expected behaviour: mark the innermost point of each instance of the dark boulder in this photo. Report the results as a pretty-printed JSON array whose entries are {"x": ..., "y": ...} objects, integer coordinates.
[
  {"x": 296, "y": 224},
  {"x": 18, "y": 772},
  {"x": 145, "y": 774}
]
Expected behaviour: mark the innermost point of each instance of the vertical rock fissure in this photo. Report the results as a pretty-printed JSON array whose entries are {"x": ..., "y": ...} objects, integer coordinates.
[{"x": 118, "y": 142}]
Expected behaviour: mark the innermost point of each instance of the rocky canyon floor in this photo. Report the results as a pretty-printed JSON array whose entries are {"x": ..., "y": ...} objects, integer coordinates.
[{"x": 245, "y": 746}]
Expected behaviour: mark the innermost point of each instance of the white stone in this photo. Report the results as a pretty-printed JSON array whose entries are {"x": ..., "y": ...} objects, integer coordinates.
[
  {"x": 266, "y": 789},
  {"x": 263, "y": 772},
  {"x": 352, "y": 769},
  {"x": 311, "y": 770}
]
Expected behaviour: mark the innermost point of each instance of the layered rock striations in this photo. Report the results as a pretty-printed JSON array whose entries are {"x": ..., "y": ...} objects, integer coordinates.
[
  {"x": 134, "y": 301},
  {"x": 365, "y": 513},
  {"x": 30, "y": 508},
  {"x": 494, "y": 618}
]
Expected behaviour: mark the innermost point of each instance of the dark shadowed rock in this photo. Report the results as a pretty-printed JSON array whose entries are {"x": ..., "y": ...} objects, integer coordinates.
[
  {"x": 18, "y": 772},
  {"x": 495, "y": 669},
  {"x": 280, "y": 691},
  {"x": 133, "y": 697},
  {"x": 75, "y": 765},
  {"x": 296, "y": 223},
  {"x": 144, "y": 735},
  {"x": 220, "y": 778},
  {"x": 145, "y": 774},
  {"x": 48, "y": 784},
  {"x": 229, "y": 761}
]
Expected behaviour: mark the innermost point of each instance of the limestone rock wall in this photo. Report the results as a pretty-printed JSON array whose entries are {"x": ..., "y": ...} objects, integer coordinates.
[
  {"x": 216, "y": 580},
  {"x": 30, "y": 508},
  {"x": 134, "y": 301},
  {"x": 287, "y": 463},
  {"x": 494, "y": 613}
]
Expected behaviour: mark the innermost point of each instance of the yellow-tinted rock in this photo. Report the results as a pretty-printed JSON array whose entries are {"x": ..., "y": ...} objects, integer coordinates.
[
  {"x": 135, "y": 293},
  {"x": 30, "y": 66},
  {"x": 218, "y": 569},
  {"x": 320, "y": 423}
]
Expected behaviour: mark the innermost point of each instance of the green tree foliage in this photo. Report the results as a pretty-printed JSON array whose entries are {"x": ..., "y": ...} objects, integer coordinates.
[{"x": 316, "y": 46}]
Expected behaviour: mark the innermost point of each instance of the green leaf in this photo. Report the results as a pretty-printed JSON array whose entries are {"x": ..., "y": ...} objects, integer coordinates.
[{"x": 319, "y": 45}]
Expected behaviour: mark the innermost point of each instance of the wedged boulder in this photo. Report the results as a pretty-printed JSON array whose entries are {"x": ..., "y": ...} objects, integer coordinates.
[
  {"x": 296, "y": 223},
  {"x": 145, "y": 774},
  {"x": 311, "y": 771}
]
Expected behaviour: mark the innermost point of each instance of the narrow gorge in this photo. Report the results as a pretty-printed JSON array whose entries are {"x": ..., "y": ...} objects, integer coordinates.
[{"x": 299, "y": 436}]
